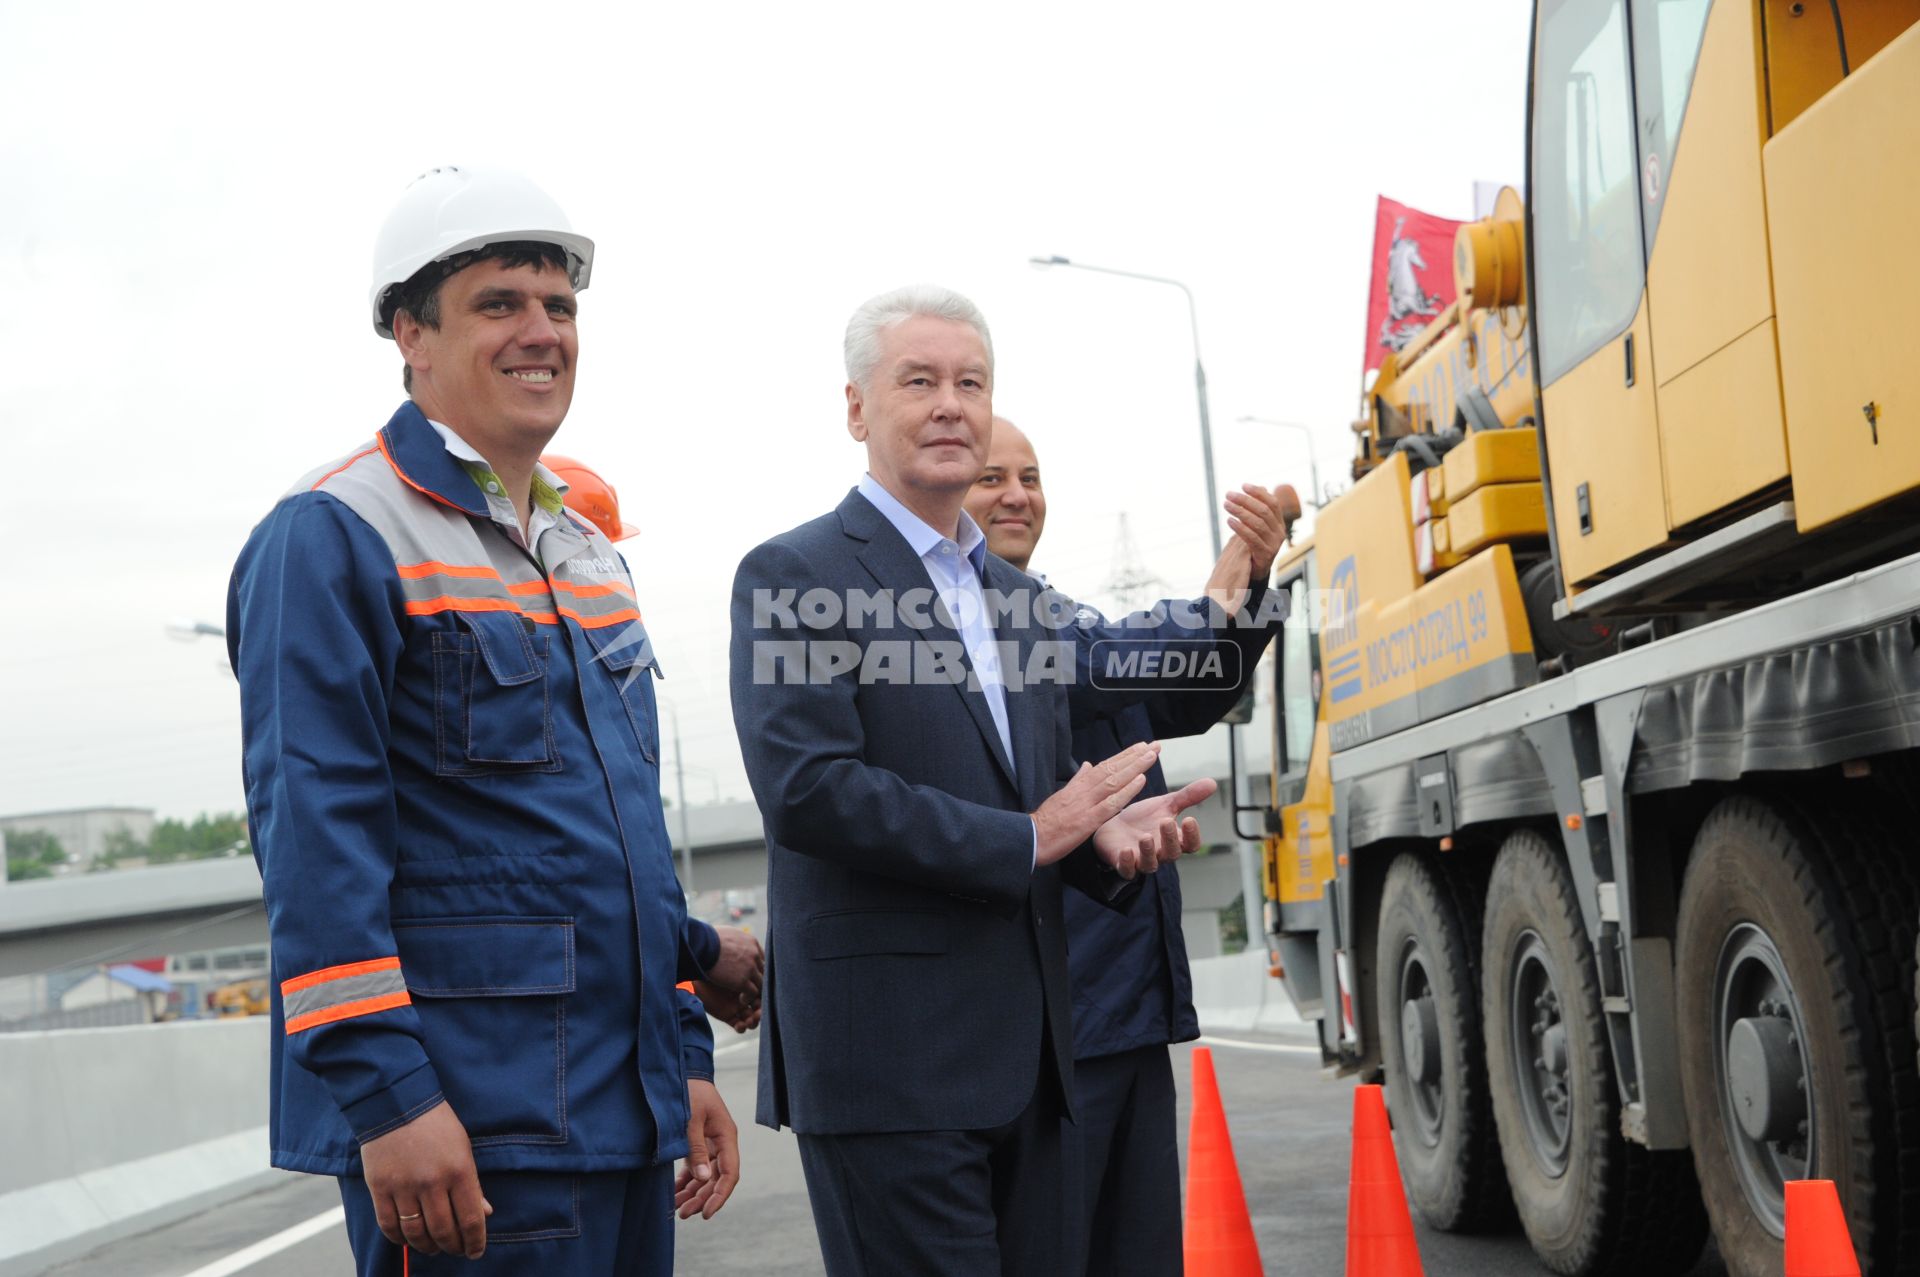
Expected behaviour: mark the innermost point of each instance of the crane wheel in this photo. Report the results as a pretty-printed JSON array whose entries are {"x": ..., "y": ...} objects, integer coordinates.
[
  {"x": 1797, "y": 1057},
  {"x": 1428, "y": 959},
  {"x": 1591, "y": 1202}
]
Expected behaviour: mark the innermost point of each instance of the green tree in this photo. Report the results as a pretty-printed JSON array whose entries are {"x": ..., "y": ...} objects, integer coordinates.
[
  {"x": 1233, "y": 925},
  {"x": 120, "y": 844},
  {"x": 33, "y": 853},
  {"x": 206, "y": 838}
]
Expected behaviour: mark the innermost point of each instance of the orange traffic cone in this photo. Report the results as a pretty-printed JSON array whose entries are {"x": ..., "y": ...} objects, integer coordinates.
[
  {"x": 1379, "y": 1228},
  {"x": 1818, "y": 1244},
  {"x": 1219, "y": 1231}
]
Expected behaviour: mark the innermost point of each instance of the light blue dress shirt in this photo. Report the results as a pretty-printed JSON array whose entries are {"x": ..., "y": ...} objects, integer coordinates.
[{"x": 954, "y": 569}]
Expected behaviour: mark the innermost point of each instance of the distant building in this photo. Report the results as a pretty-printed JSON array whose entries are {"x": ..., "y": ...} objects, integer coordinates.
[
  {"x": 83, "y": 831},
  {"x": 136, "y": 990},
  {"x": 121, "y": 984}
]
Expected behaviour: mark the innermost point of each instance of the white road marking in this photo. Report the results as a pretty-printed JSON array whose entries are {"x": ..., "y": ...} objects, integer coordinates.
[
  {"x": 1283, "y": 1048},
  {"x": 273, "y": 1245}
]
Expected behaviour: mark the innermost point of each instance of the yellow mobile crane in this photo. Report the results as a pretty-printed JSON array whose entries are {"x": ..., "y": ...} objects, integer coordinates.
[{"x": 1591, "y": 826}]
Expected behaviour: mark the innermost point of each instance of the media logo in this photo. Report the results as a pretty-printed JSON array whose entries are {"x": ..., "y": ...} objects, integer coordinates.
[{"x": 1187, "y": 665}]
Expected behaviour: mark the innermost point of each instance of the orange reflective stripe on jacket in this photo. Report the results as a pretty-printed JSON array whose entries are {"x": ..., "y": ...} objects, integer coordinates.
[
  {"x": 368, "y": 451},
  {"x": 605, "y": 619},
  {"x": 593, "y": 591},
  {"x": 414, "y": 571},
  {"x": 601, "y": 603},
  {"x": 343, "y": 992},
  {"x": 454, "y": 603}
]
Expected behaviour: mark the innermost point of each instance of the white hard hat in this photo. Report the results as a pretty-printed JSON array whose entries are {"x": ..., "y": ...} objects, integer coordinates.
[{"x": 455, "y": 209}]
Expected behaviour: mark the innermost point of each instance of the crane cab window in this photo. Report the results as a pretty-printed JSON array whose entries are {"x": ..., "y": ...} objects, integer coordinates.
[
  {"x": 1589, "y": 268},
  {"x": 1666, "y": 47},
  {"x": 1297, "y": 676}
]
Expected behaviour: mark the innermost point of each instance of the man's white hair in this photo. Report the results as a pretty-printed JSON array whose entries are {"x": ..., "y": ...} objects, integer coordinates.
[{"x": 877, "y": 314}]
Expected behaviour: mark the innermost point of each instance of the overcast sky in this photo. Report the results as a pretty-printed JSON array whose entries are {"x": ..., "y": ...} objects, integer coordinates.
[{"x": 191, "y": 194}]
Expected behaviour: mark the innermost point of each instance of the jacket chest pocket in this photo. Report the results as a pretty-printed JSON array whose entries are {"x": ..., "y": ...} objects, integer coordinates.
[
  {"x": 492, "y": 998},
  {"x": 492, "y": 700},
  {"x": 627, "y": 654}
]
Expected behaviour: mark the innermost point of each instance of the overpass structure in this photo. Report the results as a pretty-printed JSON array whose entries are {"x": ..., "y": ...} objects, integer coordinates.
[
  {"x": 89, "y": 919},
  {"x": 51, "y": 924}
]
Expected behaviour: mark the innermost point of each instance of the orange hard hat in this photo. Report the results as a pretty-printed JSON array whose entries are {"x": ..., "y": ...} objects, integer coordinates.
[
  {"x": 1289, "y": 503},
  {"x": 590, "y": 495}
]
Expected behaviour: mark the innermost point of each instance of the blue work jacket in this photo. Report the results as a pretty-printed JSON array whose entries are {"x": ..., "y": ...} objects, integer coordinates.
[
  {"x": 451, "y": 764},
  {"x": 1132, "y": 986}
]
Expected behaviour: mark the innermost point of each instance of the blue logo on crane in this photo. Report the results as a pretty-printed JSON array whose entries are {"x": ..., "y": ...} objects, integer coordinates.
[{"x": 1342, "y": 631}]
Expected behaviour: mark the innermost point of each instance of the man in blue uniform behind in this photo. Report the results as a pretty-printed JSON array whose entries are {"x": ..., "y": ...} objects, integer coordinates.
[
  {"x": 1132, "y": 991},
  {"x": 450, "y": 754}
]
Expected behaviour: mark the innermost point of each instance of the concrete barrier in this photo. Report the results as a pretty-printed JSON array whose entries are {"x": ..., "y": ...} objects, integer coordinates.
[
  {"x": 111, "y": 1132},
  {"x": 115, "y": 1131},
  {"x": 1234, "y": 993}
]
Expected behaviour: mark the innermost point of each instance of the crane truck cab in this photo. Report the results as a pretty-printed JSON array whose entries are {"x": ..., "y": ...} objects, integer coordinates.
[{"x": 1597, "y": 717}]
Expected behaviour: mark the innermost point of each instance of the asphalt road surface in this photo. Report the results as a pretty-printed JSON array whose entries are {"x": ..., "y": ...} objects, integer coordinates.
[{"x": 1290, "y": 1130}]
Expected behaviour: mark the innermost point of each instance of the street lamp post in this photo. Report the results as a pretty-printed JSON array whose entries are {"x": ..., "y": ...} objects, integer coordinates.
[
  {"x": 680, "y": 798},
  {"x": 1250, "y": 893},
  {"x": 1313, "y": 459},
  {"x": 1199, "y": 377}
]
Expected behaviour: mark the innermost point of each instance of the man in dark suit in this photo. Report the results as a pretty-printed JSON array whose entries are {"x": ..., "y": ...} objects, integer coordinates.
[
  {"x": 905, "y": 732},
  {"x": 1132, "y": 990}
]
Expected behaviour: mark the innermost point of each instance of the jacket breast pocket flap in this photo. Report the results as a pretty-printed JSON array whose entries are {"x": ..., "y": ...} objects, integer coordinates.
[
  {"x": 855, "y": 933},
  {"x": 493, "y": 704},
  {"x": 491, "y": 996}
]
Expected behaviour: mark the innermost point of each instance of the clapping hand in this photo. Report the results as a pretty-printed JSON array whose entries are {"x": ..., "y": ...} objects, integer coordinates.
[
  {"x": 1152, "y": 833},
  {"x": 1259, "y": 518},
  {"x": 1130, "y": 839},
  {"x": 1095, "y": 795}
]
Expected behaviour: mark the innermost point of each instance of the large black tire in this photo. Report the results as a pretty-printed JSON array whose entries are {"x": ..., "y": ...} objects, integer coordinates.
[
  {"x": 1591, "y": 1202},
  {"x": 1428, "y": 965},
  {"x": 1796, "y": 1041}
]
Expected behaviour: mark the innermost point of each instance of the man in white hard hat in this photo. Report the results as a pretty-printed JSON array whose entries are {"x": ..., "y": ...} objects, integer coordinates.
[{"x": 451, "y": 758}]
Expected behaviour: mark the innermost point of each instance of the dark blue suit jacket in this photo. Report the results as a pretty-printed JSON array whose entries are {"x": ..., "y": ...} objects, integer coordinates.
[{"x": 916, "y": 959}]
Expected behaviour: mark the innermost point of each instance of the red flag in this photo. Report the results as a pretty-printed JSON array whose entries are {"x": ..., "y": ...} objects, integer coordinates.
[{"x": 1412, "y": 276}]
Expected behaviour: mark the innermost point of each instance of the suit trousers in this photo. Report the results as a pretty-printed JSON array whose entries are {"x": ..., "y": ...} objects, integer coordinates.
[
  {"x": 1125, "y": 1155},
  {"x": 988, "y": 1203},
  {"x": 557, "y": 1224}
]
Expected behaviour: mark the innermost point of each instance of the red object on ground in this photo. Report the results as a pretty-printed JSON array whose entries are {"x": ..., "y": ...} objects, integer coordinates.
[
  {"x": 1219, "y": 1236},
  {"x": 1818, "y": 1243},
  {"x": 1380, "y": 1240},
  {"x": 1412, "y": 276}
]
